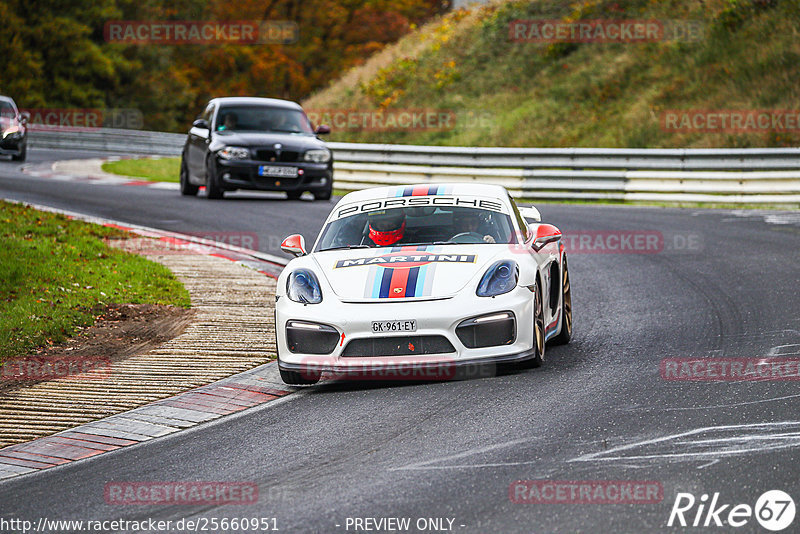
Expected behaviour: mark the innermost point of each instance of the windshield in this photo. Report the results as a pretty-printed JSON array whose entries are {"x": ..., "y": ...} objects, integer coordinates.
[
  {"x": 7, "y": 110},
  {"x": 262, "y": 119},
  {"x": 426, "y": 225}
]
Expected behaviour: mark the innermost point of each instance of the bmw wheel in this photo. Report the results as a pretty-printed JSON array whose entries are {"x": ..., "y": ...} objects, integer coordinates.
[
  {"x": 187, "y": 189},
  {"x": 213, "y": 190}
]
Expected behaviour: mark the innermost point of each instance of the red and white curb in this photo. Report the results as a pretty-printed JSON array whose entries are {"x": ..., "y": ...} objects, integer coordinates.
[
  {"x": 224, "y": 397},
  {"x": 167, "y": 416},
  {"x": 90, "y": 171}
]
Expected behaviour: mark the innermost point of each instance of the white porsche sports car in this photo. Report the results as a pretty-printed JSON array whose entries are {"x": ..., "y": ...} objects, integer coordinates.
[{"x": 419, "y": 282}]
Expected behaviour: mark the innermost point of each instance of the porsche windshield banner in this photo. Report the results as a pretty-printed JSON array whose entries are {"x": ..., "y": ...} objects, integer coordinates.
[{"x": 420, "y": 201}]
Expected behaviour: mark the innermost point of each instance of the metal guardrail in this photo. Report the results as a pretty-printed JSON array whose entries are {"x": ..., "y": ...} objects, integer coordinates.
[
  {"x": 134, "y": 142},
  {"x": 760, "y": 175}
]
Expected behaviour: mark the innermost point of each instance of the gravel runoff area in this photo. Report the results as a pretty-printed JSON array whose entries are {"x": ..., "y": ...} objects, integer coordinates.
[{"x": 231, "y": 331}]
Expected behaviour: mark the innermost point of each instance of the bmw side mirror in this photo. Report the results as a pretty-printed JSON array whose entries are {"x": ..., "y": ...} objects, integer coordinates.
[
  {"x": 201, "y": 123},
  {"x": 24, "y": 117},
  {"x": 295, "y": 245},
  {"x": 545, "y": 233},
  {"x": 323, "y": 129}
]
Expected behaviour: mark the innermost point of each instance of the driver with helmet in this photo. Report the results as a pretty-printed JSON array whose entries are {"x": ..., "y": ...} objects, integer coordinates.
[{"x": 387, "y": 227}]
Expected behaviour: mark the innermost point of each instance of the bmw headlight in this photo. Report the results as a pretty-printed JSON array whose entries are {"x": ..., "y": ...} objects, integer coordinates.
[
  {"x": 500, "y": 278},
  {"x": 317, "y": 155},
  {"x": 234, "y": 152},
  {"x": 302, "y": 286},
  {"x": 11, "y": 130}
]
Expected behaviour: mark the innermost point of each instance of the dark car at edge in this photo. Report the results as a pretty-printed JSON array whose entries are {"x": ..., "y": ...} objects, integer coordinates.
[
  {"x": 13, "y": 130},
  {"x": 262, "y": 144}
]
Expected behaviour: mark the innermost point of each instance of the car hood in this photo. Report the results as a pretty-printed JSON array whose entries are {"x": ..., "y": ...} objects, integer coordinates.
[
  {"x": 252, "y": 139},
  {"x": 405, "y": 273}
]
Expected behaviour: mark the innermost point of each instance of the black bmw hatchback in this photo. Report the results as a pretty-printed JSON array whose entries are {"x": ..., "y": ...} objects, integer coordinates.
[{"x": 258, "y": 144}]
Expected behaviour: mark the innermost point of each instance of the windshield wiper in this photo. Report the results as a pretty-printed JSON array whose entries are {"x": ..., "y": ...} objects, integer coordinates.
[
  {"x": 428, "y": 244},
  {"x": 345, "y": 247}
]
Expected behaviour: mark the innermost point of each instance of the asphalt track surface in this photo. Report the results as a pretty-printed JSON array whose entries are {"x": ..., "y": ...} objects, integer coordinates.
[{"x": 598, "y": 410}]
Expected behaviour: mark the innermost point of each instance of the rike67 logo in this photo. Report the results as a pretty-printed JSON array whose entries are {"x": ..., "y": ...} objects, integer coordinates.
[{"x": 774, "y": 510}]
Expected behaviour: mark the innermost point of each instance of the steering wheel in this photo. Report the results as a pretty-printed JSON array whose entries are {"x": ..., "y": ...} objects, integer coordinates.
[{"x": 467, "y": 237}]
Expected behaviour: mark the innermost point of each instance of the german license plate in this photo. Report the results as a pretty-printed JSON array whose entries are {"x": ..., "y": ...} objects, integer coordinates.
[
  {"x": 277, "y": 171},
  {"x": 383, "y": 327}
]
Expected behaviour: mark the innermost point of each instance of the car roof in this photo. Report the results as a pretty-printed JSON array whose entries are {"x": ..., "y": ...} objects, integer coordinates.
[
  {"x": 244, "y": 100},
  {"x": 8, "y": 99},
  {"x": 449, "y": 188}
]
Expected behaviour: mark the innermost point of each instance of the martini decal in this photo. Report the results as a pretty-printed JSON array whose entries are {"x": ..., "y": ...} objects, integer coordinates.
[{"x": 404, "y": 272}]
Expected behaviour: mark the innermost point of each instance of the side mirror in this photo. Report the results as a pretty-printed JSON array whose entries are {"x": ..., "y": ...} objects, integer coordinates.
[
  {"x": 295, "y": 245},
  {"x": 530, "y": 214},
  {"x": 24, "y": 117},
  {"x": 545, "y": 233},
  {"x": 201, "y": 123},
  {"x": 323, "y": 129}
]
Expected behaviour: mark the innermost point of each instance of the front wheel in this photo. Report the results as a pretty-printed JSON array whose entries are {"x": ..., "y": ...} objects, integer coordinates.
[
  {"x": 323, "y": 195},
  {"x": 23, "y": 153},
  {"x": 213, "y": 190},
  {"x": 565, "y": 335},
  {"x": 187, "y": 188},
  {"x": 538, "y": 331}
]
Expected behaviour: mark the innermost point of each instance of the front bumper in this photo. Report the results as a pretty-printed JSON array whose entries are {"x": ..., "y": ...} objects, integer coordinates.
[
  {"x": 243, "y": 174},
  {"x": 12, "y": 144},
  {"x": 434, "y": 318}
]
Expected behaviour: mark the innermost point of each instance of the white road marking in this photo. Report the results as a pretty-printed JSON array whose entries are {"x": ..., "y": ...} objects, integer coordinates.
[
  {"x": 470, "y": 452},
  {"x": 739, "y": 443},
  {"x": 709, "y": 464}
]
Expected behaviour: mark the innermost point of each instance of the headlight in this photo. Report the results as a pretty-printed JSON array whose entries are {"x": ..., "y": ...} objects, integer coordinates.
[
  {"x": 318, "y": 155},
  {"x": 500, "y": 278},
  {"x": 10, "y": 130},
  {"x": 234, "y": 152},
  {"x": 302, "y": 286}
]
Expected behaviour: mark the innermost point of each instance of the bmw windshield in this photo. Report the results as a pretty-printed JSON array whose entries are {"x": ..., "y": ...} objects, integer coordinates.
[{"x": 251, "y": 118}]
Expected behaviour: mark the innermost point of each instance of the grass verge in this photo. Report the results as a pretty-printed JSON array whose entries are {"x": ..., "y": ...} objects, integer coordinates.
[
  {"x": 152, "y": 169},
  {"x": 58, "y": 276}
]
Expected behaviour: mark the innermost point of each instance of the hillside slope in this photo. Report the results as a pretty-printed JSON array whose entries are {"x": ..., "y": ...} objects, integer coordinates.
[{"x": 507, "y": 93}]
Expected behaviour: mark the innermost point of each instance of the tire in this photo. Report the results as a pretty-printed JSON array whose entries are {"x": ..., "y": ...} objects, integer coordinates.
[
  {"x": 213, "y": 190},
  {"x": 323, "y": 195},
  {"x": 298, "y": 379},
  {"x": 538, "y": 331},
  {"x": 565, "y": 335},
  {"x": 23, "y": 153},
  {"x": 293, "y": 195},
  {"x": 187, "y": 189}
]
